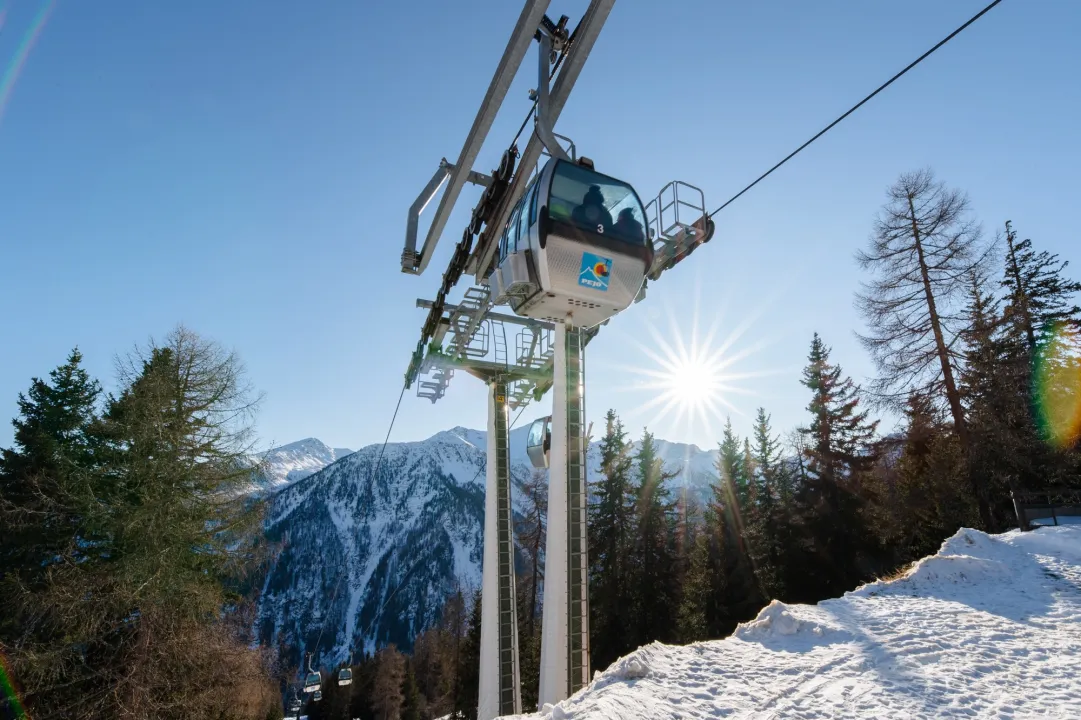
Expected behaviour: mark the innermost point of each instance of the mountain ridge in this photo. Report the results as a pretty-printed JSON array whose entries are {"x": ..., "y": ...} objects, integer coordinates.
[{"x": 368, "y": 555}]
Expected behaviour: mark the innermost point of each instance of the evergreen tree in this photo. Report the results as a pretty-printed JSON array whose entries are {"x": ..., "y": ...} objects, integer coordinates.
[
  {"x": 1039, "y": 295},
  {"x": 42, "y": 479},
  {"x": 698, "y": 586},
  {"x": 611, "y": 529},
  {"x": 411, "y": 702},
  {"x": 468, "y": 687},
  {"x": 1042, "y": 316},
  {"x": 654, "y": 582},
  {"x": 767, "y": 461},
  {"x": 838, "y": 451},
  {"x": 732, "y": 572},
  {"x": 770, "y": 530},
  {"x": 1006, "y": 450}
]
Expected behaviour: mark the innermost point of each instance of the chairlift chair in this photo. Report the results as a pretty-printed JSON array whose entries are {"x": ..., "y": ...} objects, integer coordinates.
[{"x": 575, "y": 248}]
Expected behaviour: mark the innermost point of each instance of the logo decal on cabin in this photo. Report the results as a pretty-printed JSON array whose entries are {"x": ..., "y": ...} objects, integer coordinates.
[{"x": 595, "y": 271}]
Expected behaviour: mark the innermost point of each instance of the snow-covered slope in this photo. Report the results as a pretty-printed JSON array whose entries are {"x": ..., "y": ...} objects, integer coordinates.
[
  {"x": 988, "y": 627},
  {"x": 286, "y": 464}
]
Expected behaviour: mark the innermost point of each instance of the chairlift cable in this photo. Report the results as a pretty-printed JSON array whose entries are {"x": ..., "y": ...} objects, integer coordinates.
[
  {"x": 371, "y": 475},
  {"x": 858, "y": 105}
]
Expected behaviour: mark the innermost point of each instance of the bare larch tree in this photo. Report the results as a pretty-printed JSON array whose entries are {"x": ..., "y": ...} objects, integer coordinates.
[{"x": 923, "y": 249}]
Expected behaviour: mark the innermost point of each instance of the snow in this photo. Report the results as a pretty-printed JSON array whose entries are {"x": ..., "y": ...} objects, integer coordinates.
[
  {"x": 287, "y": 464},
  {"x": 990, "y": 626}
]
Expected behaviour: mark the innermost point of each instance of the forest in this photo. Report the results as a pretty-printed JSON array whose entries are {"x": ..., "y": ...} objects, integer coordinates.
[{"x": 129, "y": 547}]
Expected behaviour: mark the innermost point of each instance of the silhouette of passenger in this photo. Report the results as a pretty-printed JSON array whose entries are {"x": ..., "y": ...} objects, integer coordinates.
[
  {"x": 628, "y": 227},
  {"x": 592, "y": 212}
]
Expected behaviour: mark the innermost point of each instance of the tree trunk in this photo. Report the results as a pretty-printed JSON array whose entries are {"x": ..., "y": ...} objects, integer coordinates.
[{"x": 952, "y": 395}]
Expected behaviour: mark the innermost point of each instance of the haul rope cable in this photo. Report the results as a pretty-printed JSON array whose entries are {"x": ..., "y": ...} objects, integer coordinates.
[{"x": 857, "y": 106}]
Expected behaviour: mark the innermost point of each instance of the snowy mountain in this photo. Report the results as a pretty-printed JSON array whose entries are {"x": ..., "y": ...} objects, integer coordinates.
[
  {"x": 286, "y": 464},
  {"x": 368, "y": 560},
  {"x": 988, "y": 627}
]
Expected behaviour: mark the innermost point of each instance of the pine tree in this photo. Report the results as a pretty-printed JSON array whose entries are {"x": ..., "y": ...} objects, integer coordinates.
[
  {"x": 653, "y": 562},
  {"x": 611, "y": 529},
  {"x": 838, "y": 451}
]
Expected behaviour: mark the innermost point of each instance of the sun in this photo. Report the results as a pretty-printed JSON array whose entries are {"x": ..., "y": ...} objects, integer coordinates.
[
  {"x": 688, "y": 373},
  {"x": 692, "y": 380}
]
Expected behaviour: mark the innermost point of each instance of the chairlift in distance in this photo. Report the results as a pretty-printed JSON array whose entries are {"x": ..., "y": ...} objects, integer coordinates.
[
  {"x": 575, "y": 247},
  {"x": 313, "y": 679},
  {"x": 539, "y": 442}
]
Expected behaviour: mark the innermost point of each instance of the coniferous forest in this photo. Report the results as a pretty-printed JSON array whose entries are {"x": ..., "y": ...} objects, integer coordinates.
[{"x": 129, "y": 546}]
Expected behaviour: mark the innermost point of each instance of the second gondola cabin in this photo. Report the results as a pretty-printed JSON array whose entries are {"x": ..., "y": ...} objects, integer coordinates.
[{"x": 576, "y": 248}]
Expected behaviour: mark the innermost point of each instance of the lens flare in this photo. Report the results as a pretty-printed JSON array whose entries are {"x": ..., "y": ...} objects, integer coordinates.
[
  {"x": 22, "y": 52},
  {"x": 7, "y": 690},
  {"x": 1057, "y": 380}
]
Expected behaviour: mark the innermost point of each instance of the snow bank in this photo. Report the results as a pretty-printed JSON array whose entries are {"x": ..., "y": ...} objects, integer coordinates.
[{"x": 990, "y": 626}]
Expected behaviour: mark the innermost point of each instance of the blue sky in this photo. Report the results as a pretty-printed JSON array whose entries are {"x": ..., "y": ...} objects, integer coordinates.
[{"x": 245, "y": 168}]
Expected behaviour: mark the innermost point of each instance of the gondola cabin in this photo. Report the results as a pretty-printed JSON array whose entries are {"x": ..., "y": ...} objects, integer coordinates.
[
  {"x": 576, "y": 247},
  {"x": 345, "y": 676},
  {"x": 311, "y": 682},
  {"x": 539, "y": 442},
  {"x": 317, "y": 695}
]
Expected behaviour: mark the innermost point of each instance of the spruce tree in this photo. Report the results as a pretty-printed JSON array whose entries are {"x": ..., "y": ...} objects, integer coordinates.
[
  {"x": 611, "y": 528},
  {"x": 653, "y": 574},
  {"x": 838, "y": 451},
  {"x": 1041, "y": 314},
  {"x": 732, "y": 573},
  {"x": 43, "y": 479},
  {"x": 1038, "y": 293}
]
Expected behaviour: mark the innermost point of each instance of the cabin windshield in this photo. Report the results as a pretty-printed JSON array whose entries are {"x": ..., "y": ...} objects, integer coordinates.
[{"x": 596, "y": 203}]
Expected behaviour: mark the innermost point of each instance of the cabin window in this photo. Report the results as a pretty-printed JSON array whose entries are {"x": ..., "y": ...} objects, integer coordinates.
[
  {"x": 596, "y": 203},
  {"x": 512, "y": 229}
]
